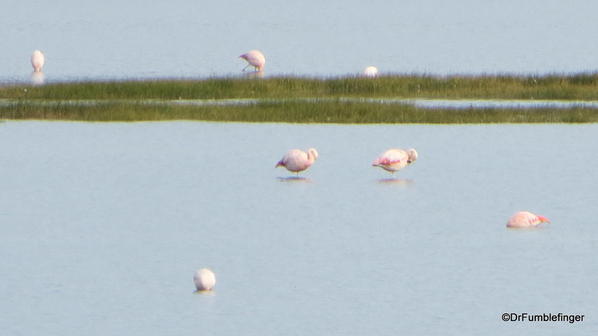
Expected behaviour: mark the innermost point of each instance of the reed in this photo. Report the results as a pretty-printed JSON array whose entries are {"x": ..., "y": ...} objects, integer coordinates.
[
  {"x": 573, "y": 87},
  {"x": 278, "y": 99},
  {"x": 295, "y": 112}
]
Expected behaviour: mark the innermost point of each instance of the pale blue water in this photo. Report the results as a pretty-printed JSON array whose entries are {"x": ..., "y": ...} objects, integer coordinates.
[
  {"x": 102, "y": 226},
  {"x": 420, "y": 103},
  {"x": 196, "y": 39}
]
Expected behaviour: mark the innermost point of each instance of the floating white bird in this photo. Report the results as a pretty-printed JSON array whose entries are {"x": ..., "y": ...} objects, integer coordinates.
[
  {"x": 37, "y": 61},
  {"x": 370, "y": 71},
  {"x": 297, "y": 160},
  {"x": 395, "y": 159},
  {"x": 526, "y": 219},
  {"x": 204, "y": 279},
  {"x": 254, "y": 58}
]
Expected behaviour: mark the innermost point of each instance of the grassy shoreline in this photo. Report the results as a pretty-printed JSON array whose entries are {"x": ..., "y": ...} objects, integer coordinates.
[{"x": 127, "y": 100}]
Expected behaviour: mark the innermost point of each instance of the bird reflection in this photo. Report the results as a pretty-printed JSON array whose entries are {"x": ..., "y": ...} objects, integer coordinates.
[
  {"x": 294, "y": 179},
  {"x": 205, "y": 292},
  {"x": 396, "y": 181},
  {"x": 254, "y": 74},
  {"x": 38, "y": 78}
]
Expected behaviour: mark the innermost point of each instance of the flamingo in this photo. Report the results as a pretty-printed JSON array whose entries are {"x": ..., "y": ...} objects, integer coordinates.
[
  {"x": 525, "y": 219},
  {"x": 370, "y": 71},
  {"x": 204, "y": 279},
  {"x": 297, "y": 160},
  {"x": 395, "y": 159},
  {"x": 255, "y": 58},
  {"x": 37, "y": 61}
]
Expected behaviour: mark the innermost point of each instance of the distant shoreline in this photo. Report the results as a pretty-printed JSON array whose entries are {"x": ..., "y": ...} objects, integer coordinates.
[{"x": 386, "y": 99}]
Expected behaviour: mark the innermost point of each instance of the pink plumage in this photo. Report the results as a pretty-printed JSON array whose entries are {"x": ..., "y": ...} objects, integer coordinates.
[
  {"x": 395, "y": 159},
  {"x": 255, "y": 58},
  {"x": 526, "y": 219},
  {"x": 37, "y": 61},
  {"x": 297, "y": 160}
]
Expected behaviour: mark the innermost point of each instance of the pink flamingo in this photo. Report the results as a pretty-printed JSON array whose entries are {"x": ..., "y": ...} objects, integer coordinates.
[
  {"x": 297, "y": 160},
  {"x": 395, "y": 159},
  {"x": 37, "y": 61},
  {"x": 255, "y": 58},
  {"x": 525, "y": 219}
]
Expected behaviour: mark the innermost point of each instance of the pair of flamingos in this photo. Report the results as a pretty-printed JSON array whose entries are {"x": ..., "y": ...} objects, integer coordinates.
[{"x": 394, "y": 160}]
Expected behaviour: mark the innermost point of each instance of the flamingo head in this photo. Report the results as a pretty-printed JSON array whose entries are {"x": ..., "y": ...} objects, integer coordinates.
[
  {"x": 412, "y": 155},
  {"x": 312, "y": 152}
]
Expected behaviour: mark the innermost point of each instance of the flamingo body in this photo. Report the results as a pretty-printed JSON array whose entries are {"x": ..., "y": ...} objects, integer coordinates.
[
  {"x": 370, "y": 71},
  {"x": 37, "y": 61},
  {"x": 297, "y": 160},
  {"x": 395, "y": 159},
  {"x": 204, "y": 279},
  {"x": 525, "y": 219},
  {"x": 255, "y": 58}
]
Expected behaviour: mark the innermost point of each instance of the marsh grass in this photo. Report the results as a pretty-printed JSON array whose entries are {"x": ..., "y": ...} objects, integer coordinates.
[
  {"x": 295, "y": 112},
  {"x": 125, "y": 101},
  {"x": 574, "y": 87}
]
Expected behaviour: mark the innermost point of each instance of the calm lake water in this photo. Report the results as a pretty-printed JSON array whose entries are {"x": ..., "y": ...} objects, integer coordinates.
[
  {"x": 102, "y": 226},
  {"x": 188, "y": 38}
]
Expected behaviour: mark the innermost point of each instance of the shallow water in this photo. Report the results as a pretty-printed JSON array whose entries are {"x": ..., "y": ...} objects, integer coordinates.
[
  {"x": 186, "y": 38},
  {"x": 103, "y": 225},
  {"x": 420, "y": 103}
]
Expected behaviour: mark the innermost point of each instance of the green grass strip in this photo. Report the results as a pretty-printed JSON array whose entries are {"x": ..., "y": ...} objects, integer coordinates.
[
  {"x": 295, "y": 112},
  {"x": 303, "y": 100}
]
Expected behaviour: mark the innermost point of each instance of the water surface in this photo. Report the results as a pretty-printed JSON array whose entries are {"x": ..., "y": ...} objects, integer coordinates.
[
  {"x": 103, "y": 225},
  {"x": 197, "y": 39}
]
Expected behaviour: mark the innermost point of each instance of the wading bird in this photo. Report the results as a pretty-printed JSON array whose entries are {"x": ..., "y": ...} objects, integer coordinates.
[
  {"x": 525, "y": 219},
  {"x": 395, "y": 159},
  {"x": 254, "y": 58},
  {"x": 37, "y": 61},
  {"x": 370, "y": 71},
  {"x": 204, "y": 279},
  {"x": 297, "y": 160}
]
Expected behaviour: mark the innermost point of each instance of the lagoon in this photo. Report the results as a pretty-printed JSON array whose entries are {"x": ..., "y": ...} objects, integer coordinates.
[
  {"x": 103, "y": 225},
  {"x": 189, "y": 39}
]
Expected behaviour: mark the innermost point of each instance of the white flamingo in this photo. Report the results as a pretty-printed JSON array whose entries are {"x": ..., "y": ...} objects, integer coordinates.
[
  {"x": 526, "y": 219},
  {"x": 370, "y": 71},
  {"x": 254, "y": 58},
  {"x": 204, "y": 279},
  {"x": 37, "y": 61},
  {"x": 297, "y": 160},
  {"x": 395, "y": 159}
]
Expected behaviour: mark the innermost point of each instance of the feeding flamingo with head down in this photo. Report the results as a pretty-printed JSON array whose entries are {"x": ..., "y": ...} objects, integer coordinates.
[
  {"x": 395, "y": 159},
  {"x": 526, "y": 219},
  {"x": 254, "y": 58},
  {"x": 297, "y": 160}
]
